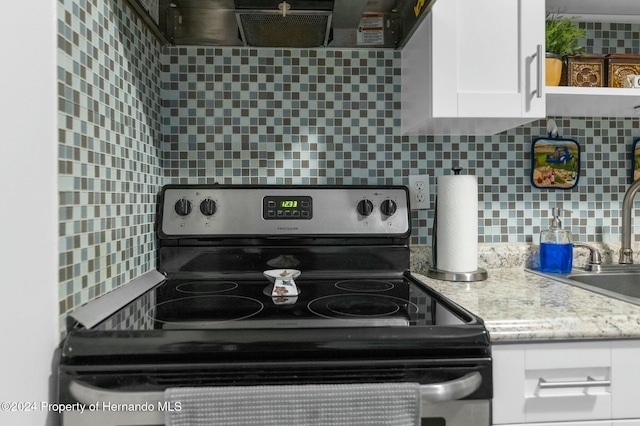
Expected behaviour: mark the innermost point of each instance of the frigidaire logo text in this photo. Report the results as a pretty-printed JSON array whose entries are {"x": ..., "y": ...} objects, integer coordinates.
[{"x": 287, "y": 228}]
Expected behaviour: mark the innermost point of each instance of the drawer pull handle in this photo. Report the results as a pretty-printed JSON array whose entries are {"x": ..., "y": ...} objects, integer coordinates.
[{"x": 589, "y": 383}]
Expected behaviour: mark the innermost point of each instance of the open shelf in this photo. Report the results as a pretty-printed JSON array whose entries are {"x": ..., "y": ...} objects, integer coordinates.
[
  {"x": 619, "y": 11},
  {"x": 592, "y": 101}
]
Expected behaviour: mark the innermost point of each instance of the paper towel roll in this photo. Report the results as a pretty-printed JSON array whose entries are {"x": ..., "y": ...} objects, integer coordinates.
[{"x": 457, "y": 223}]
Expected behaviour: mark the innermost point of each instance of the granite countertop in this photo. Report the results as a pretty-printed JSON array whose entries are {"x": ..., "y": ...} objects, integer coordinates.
[{"x": 519, "y": 306}]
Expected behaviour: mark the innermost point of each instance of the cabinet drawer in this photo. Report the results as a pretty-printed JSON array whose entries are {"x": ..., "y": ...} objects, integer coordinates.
[
  {"x": 567, "y": 394},
  {"x": 567, "y": 382},
  {"x": 553, "y": 382}
]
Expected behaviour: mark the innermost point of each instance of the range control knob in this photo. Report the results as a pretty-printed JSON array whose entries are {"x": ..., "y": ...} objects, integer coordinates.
[
  {"x": 365, "y": 207},
  {"x": 208, "y": 207},
  {"x": 388, "y": 207},
  {"x": 183, "y": 207}
]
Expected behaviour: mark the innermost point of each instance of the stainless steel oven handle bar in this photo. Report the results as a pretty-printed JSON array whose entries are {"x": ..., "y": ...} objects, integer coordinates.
[
  {"x": 451, "y": 390},
  {"x": 438, "y": 392},
  {"x": 87, "y": 394}
]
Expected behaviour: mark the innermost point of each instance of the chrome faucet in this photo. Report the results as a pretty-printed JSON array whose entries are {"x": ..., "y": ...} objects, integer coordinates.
[
  {"x": 595, "y": 258},
  {"x": 626, "y": 253}
]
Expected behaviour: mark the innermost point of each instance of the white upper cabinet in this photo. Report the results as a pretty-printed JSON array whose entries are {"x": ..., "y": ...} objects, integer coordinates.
[{"x": 474, "y": 67}]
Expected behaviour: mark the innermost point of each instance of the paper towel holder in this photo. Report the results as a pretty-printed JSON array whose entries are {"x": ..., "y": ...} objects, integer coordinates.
[{"x": 439, "y": 274}]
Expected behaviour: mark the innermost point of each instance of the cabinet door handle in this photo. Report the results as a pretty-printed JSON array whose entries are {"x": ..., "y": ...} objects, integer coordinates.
[
  {"x": 539, "y": 58},
  {"x": 589, "y": 383}
]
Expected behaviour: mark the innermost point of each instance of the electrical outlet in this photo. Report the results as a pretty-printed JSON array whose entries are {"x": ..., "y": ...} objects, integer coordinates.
[{"x": 419, "y": 192}]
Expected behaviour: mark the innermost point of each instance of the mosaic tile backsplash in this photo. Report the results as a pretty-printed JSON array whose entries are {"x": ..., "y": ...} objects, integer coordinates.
[
  {"x": 109, "y": 168},
  {"x": 279, "y": 116},
  {"x": 134, "y": 115}
]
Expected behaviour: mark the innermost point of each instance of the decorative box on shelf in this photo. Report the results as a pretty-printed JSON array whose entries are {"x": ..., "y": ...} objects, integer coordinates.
[
  {"x": 586, "y": 70},
  {"x": 619, "y": 66}
]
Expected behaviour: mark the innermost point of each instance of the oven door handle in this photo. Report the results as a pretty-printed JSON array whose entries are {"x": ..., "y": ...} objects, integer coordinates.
[
  {"x": 437, "y": 392},
  {"x": 451, "y": 390},
  {"x": 87, "y": 394}
]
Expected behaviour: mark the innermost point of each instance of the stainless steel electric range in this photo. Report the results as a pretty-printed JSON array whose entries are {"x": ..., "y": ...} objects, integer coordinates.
[{"x": 273, "y": 285}]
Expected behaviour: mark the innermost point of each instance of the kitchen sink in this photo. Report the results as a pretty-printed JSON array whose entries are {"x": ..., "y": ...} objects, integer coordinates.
[{"x": 617, "y": 281}]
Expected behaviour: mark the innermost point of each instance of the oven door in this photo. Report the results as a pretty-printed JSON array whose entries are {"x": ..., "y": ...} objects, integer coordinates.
[
  {"x": 442, "y": 405},
  {"x": 455, "y": 413}
]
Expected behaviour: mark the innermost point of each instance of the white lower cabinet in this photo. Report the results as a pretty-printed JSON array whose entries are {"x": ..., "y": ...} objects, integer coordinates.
[
  {"x": 626, "y": 380},
  {"x": 596, "y": 423},
  {"x": 632, "y": 422},
  {"x": 570, "y": 384}
]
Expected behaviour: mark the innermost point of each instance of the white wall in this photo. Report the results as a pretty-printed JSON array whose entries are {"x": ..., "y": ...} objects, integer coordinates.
[{"x": 28, "y": 212}]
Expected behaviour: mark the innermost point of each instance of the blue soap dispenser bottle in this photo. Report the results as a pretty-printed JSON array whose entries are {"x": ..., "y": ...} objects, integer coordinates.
[{"x": 556, "y": 248}]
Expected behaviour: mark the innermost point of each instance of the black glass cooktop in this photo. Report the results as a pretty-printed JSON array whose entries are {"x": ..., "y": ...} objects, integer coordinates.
[
  {"x": 204, "y": 318},
  {"x": 214, "y": 303}
]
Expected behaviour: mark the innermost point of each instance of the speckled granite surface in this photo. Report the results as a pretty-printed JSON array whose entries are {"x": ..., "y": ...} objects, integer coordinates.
[
  {"x": 519, "y": 306},
  {"x": 508, "y": 256}
]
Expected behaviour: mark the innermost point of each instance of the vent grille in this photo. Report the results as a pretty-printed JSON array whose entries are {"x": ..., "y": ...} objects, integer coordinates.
[{"x": 296, "y": 29}]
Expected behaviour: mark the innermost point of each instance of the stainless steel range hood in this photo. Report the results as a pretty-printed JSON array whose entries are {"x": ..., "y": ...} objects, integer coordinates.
[{"x": 290, "y": 23}]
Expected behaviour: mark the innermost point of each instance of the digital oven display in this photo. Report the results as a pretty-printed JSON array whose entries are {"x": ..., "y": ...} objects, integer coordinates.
[{"x": 287, "y": 207}]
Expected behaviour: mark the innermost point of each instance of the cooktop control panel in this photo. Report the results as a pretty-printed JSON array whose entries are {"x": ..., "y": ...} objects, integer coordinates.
[
  {"x": 238, "y": 210},
  {"x": 287, "y": 207}
]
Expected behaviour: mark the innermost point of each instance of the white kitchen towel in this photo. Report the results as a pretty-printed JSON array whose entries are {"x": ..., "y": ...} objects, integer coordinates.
[{"x": 375, "y": 404}]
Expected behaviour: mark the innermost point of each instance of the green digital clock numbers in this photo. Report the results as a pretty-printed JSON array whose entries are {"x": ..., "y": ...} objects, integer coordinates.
[{"x": 287, "y": 207}]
